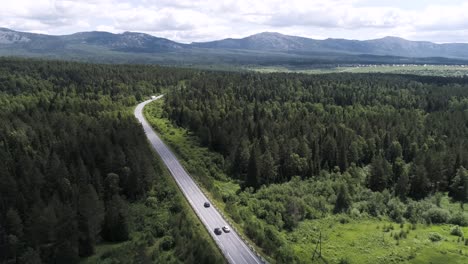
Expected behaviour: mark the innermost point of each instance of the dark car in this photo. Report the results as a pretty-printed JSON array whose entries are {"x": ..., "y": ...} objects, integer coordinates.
[
  {"x": 206, "y": 204},
  {"x": 218, "y": 231}
]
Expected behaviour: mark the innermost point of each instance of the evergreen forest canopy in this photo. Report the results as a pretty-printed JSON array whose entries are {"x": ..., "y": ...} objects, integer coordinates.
[
  {"x": 71, "y": 158},
  {"x": 410, "y": 132}
]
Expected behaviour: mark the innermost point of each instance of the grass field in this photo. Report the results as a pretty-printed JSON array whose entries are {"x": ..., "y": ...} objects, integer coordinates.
[
  {"x": 376, "y": 241},
  {"x": 344, "y": 239},
  {"x": 434, "y": 70}
]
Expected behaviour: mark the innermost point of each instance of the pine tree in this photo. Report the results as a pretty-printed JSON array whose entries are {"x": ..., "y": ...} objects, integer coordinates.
[
  {"x": 343, "y": 200},
  {"x": 90, "y": 219},
  {"x": 380, "y": 175},
  {"x": 253, "y": 171},
  {"x": 14, "y": 224},
  {"x": 459, "y": 186},
  {"x": 402, "y": 186},
  {"x": 419, "y": 183},
  {"x": 115, "y": 221}
]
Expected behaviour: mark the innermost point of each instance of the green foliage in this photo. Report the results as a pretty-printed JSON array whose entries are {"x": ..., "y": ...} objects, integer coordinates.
[
  {"x": 73, "y": 158},
  {"x": 167, "y": 243},
  {"x": 456, "y": 231},
  {"x": 270, "y": 128},
  {"x": 344, "y": 260},
  {"x": 291, "y": 141},
  {"x": 381, "y": 173},
  {"x": 343, "y": 200},
  {"x": 116, "y": 223},
  {"x": 459, "y": 186},
  {"x": 435, "y": 237},
  {"x": 396, "y": 210},
  {"x": 437, "y": 215},
  {"x": 459, "y": 218},
  {"x": 30, "y": 256}
]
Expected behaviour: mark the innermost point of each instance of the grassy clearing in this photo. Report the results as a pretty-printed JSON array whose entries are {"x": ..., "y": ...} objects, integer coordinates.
[
  {"x": 377, "y": 241},
  {"x": 433, "y": 70},
  {"x": 345, "y": 240}
]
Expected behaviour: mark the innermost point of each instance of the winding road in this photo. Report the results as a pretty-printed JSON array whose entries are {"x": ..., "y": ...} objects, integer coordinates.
[{"x": 232, "y": 246}]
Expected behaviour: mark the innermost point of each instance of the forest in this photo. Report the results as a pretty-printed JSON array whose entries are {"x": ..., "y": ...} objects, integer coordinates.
[
  {"x": 76, "y": 170},
  {"x": 286, "y": 156},
  {"x": 412, "y": 130},
  {"x": 383, "y": 148}
]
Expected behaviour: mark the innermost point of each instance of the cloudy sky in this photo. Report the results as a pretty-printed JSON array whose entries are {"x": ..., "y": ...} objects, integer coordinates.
[{"x": 196, "y": 20}]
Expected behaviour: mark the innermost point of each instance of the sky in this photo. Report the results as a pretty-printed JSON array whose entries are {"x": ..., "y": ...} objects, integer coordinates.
[{"x": 195, "y": 20}]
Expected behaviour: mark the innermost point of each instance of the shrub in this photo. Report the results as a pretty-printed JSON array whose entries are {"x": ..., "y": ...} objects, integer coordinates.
[
  {"x": 387, "y": 228},
  {"x": 343, "y": 219},
  {"x": 151, "y": 202},
  {"x": 459, "y": 219},
  {"x": 434, "y": 237},
  {"x": 456, "y": 231},
  {"x": 344, "y": 261},
  {"x": 355, "y": 213},
  {"x": 437, "y": 215},
  {"x": 402, "y": 234},
  {"x": 167, "y": 243},
  {"x": 396, "y": 209},
  {"x": 415, "y": 210}
]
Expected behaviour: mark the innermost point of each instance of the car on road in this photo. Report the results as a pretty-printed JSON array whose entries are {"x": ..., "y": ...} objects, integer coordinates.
[
  {"x": 226, "y": 229},
  {"x": 218, "y": 231},
  {"x": 206, "y": 204}
]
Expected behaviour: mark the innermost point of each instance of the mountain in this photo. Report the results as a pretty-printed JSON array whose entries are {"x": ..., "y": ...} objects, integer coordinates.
[
  {"x": 266, "y": 48},
  {"x": 126, "y": 42},
  {"x": 388, "y": 46},
  {"x": 262, "y": 41}
]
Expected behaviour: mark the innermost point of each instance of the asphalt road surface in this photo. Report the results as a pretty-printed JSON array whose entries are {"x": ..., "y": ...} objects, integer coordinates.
[{"x": 233, "y": 248}]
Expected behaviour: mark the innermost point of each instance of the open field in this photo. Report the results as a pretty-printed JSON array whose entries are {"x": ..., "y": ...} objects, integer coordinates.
[
  {"x": 377, "y": 241},
  {"x": 434, "y": 70}
]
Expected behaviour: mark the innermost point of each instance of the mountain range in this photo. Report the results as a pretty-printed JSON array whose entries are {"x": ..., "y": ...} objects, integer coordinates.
[{"x": 266, "y": 48}]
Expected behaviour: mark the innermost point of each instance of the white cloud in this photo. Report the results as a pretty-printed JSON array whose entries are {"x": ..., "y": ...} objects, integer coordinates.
[{"x": 198, "y": 20}]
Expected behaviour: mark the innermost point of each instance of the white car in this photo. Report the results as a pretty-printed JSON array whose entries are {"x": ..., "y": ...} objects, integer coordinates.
[{"x": 226, "y": 229}]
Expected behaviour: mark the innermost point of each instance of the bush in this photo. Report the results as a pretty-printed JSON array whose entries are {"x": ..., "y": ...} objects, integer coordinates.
[
  {"x": 416, "y": 209},
  {"x": 343, "y": 219},
  {"x": 387, "y": 228},
  {"x": 434, "y": 237},
  {"x": 167, "y": 243},
  {"x": 355, "y": 213},
  {"x": 344, "y": 261},
  {"x": 396, "y": 209},
  {"x": 436, "y": 216},
  {"x": 456, "y": 231},
  {"x": 151, "y": 202},
  {"x": 402, "y": 234},
  {"x": 459, "y": 219}
]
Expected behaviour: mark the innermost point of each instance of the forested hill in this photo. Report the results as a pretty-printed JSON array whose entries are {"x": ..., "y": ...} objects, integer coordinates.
[
  {"x": 72, "y": 157},
  {"x": 264, "y": 49},
  {"x": 412, "y": 131}
]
